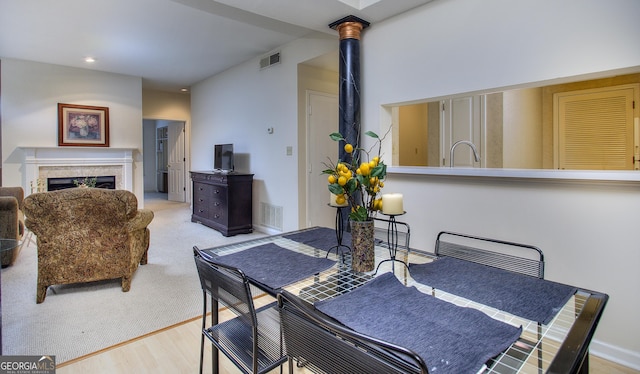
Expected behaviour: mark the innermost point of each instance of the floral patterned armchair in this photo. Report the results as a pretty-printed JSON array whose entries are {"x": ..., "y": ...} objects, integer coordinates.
[
  {"x": 87, "y": 234},
  {"x": 11, "y": 220}
]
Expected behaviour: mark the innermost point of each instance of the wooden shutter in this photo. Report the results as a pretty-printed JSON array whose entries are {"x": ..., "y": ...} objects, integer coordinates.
[{"x": 594, "y": 128}]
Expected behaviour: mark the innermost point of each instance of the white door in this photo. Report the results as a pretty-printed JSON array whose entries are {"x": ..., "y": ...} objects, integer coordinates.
[
  {"x": 176, "y": 161},
  {"x": 462, "y": 120},
  {"x": 322, "y": 120}
]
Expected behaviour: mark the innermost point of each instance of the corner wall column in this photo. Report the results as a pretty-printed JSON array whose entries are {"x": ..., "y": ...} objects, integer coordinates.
[{"x": 349, "y": 29}]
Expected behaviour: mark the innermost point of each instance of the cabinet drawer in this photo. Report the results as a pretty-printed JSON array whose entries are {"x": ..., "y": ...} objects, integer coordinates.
[
  {"x": 210, "y": 178},
  {"x": 218, "y": 213},
  {"x": 202, "y": 190},
  {"x": 218, "y": 193}
]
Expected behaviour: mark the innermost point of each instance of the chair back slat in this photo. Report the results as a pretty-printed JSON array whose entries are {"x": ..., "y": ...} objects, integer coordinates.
[{"x": 516, "y": 257}]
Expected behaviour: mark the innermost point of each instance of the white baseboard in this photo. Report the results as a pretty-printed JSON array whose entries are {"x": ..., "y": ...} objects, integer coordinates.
[
  {"x": 266, "y": 230},
  {"x": 615, "y": 354}
]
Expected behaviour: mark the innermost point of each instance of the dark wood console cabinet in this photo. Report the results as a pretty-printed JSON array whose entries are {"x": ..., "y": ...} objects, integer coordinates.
[{"x": 223, "y": 201}]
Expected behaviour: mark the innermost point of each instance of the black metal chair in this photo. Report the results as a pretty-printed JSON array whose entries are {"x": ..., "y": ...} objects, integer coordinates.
[
  {"x": 516, "y": 257},
  {"x": 520, "y": 258},
  {"x": 252, "y": 340},
  {"x": 323, "y": 346}
]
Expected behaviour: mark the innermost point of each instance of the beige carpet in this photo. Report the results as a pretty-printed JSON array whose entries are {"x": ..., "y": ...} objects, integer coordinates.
[{"x": 75, "y": 320}]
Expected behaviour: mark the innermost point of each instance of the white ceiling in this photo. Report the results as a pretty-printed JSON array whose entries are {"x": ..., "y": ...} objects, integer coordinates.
[{"x": 170, "y": 43}]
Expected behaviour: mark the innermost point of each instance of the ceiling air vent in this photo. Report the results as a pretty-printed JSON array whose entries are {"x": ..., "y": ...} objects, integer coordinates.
[{"x": 269, "y": 60}]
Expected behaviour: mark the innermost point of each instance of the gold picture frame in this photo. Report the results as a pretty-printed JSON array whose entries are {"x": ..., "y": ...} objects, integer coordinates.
[{"x": 83, "y": 125}]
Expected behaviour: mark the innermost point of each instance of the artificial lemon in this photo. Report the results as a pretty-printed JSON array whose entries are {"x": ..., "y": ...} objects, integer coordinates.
[
  {"x": 342, "y": 181},
  {"x": 332, "y": 179},
  {"x": 348, "y": 148},
  {"x": 364, "y": 168}
]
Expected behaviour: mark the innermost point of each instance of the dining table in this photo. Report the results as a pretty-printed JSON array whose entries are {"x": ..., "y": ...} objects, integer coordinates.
[{"x": 301, "y": 263}]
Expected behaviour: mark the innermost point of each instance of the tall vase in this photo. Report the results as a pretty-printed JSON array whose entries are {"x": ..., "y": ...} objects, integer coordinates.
[{"x": 362, "y": 246}]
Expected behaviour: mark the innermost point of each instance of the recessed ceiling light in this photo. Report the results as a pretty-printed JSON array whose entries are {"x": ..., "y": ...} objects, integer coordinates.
[
  {"x": 184, "y": 90},
  {"x": 89, "y": 59}
]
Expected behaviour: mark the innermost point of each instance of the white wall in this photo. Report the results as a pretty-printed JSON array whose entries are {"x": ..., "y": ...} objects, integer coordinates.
[
  {"x": 30, "y": 95},
  {"x": 238, "y": 105},
  {"x": 588, "y": 231}
]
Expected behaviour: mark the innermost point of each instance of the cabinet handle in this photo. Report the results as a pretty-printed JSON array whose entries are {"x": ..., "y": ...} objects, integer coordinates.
[
  {"x": 217, "y": 203},
  {"x": 201, "y": 210},
  {"x": 201, "y": 200},
  {"x": 217, "y": 216},
  {"x": 217, "y": 191}
]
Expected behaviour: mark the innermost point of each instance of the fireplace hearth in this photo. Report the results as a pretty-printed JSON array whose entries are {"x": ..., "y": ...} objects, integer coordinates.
[{"x": 105, "y": 181}]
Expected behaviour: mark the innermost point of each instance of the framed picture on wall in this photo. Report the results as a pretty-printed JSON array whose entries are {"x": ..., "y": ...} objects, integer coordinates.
[{"x": 83, "y": 125}]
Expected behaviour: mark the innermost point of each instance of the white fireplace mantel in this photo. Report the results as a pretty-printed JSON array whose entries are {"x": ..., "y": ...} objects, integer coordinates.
[{"x": 78, "y": 158}]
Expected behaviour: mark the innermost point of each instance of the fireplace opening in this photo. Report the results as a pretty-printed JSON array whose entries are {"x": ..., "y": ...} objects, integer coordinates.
[{"x": 105, "y": 181}]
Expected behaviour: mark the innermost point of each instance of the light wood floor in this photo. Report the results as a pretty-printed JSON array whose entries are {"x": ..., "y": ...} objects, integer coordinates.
[{"x": 176, "y": 349}]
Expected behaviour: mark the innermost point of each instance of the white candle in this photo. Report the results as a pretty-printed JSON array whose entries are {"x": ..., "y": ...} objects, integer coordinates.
[
  {"x": 392, "y": 204},
  {"x": 333, "y": 201}
]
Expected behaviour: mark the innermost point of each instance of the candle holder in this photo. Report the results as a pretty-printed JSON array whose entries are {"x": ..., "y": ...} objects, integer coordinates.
[
  {"x": 392, "y": 242},
  {"x": 339, "y": 231}
]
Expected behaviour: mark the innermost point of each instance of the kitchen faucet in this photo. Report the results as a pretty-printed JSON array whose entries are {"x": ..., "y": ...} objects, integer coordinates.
[{"x": 470, "y": 144}]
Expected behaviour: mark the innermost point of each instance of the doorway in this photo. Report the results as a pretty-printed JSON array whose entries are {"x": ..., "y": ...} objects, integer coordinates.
[
  {"x": 462, "y": 119},
  {"x": 164, "y": 161}
]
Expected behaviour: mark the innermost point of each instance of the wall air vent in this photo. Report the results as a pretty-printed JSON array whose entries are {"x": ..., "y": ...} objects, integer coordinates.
[
  {"x": 271, "y": 215},
  {"x": 270, "y": 60}
]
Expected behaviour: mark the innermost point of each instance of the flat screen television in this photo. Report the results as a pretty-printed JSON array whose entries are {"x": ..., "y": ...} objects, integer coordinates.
[{"x": 223, "y": 157}]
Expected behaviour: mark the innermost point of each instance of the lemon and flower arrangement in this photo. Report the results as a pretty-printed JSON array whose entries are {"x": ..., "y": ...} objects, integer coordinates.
[{"x": 359, "y": 181}]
